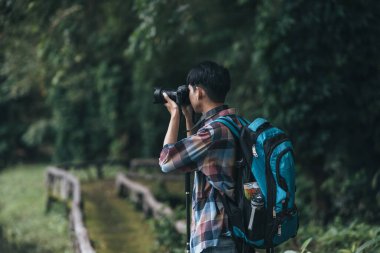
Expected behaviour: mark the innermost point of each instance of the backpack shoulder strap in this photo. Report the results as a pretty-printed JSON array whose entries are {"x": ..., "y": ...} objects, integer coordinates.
[
  {"x": 234, "y": 128},
  {"x": 230, "y": 205},
  {"x": 243, "y": 121}
]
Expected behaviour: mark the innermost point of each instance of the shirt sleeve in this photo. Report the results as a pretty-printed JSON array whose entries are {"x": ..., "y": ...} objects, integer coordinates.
[{"x": 185, "y": 154}]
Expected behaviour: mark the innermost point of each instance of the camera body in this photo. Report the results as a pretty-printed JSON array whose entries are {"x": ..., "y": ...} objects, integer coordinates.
[{"x": 180, "y": 96}]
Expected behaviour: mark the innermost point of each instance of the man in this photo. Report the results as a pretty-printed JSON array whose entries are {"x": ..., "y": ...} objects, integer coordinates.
[{"x": 210, "y": 152}]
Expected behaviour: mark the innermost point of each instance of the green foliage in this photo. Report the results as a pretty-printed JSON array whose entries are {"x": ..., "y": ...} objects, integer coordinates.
[
  {"x": 168, "y": 192},
  {"x": 305, "y": 244},
  {"x": 353, "y": 238},
  {"x": 315, "y": 67},
  {"x": 20, "y": 79},
  {"x": 338, "y": 237},
  {"x": 89, "y": 81},
  {"x": 35, "y": 135},
  {"x": 179, "y": 42},
  {"x": 168, "y": 240},
  {"x": 24, "y": 226},
  {"x": 74, "y": 76},
  {"x": 77, "y": 77}
]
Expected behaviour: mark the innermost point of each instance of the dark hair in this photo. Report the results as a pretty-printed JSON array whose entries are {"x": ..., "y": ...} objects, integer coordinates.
[{"x": 215, "y": 79}]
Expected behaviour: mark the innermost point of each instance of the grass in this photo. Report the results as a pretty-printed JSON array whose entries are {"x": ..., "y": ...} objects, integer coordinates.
[
  {"x": 24, "y": 226},
  {"x": 113, "y": 223}
]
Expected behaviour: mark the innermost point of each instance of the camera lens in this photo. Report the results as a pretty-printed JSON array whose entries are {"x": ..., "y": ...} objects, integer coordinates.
[{"x": 158, "y": 97}]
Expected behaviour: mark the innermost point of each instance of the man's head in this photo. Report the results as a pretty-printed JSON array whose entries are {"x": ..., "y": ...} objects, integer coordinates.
[{"x": 211, "y": 80}]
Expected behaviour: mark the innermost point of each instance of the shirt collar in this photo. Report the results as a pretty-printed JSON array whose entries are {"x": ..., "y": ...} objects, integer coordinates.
[
  {"x": 214, "y": 111},
  {"x": 224, "y": 112},
  {"x": 221, "y": 110}
]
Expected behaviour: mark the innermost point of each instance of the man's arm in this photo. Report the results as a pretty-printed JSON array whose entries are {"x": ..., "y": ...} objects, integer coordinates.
[
  {"x": 172, "y": 132},
  {"x": 185, "y": 154}
]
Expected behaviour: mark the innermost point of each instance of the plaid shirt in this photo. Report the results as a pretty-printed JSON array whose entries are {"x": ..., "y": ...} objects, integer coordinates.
[{"x": 211, "y": 154}]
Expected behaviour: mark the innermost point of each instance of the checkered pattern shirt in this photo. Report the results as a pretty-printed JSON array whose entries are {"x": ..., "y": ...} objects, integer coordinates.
[{"x": 211, "y": 154}]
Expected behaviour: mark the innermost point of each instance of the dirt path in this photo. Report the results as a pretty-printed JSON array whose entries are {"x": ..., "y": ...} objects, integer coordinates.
[{"x": 114, "y": 225}]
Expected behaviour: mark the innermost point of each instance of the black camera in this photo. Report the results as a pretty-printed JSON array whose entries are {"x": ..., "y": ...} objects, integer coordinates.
[{"x": 180, "y": 96}]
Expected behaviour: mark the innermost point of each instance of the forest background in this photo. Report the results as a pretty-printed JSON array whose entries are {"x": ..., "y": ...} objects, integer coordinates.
[{"x": 77, "y": 79}]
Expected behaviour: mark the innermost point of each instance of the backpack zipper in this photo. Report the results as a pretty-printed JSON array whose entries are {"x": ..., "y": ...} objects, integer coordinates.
[
  {"x": 280, "y": 179},
  {"x": 269, "y": 147}
]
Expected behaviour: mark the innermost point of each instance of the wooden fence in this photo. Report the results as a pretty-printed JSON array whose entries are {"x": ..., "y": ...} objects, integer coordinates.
[
  {"x": 151, "y": 163},
  {"x": 145, "y": 200},
  {"x": 133, "y": 168},
  {"x": 63, "y": 185}
]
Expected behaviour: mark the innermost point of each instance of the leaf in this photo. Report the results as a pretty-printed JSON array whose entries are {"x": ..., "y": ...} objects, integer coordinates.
[
  {"x": 368, "y": 244},
  {"x": 345, "y": 251},
  {"x": 305, "y": 244}
]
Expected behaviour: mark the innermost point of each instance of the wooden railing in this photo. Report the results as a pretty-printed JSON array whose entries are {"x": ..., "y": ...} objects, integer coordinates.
[
  {"x": 154, "y": 176},
  {"x": 66, "y": 187},
  {"x": 144, "y": 163},
  {"x": 152, "y": 165},
  {"x": 144, "y": 199}
]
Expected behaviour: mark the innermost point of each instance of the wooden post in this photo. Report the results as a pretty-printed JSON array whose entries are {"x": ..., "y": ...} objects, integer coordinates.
[{"x": 68, "y": 187}]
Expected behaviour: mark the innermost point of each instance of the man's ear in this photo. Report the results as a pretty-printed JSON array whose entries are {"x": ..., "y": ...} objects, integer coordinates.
[{"x": 201, "y": 93}]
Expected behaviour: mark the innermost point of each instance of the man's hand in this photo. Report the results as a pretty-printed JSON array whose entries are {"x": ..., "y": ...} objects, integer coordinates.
[
  {"x": 187, "y": 111},
  {"x": 171, "y": 105},
  {"x": 172, "y": 133}
]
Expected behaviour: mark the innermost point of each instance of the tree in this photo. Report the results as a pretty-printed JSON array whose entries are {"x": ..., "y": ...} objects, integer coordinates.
[
  {"x": 22, "y": 90},
  {"x": 90, "y": 83},
  {"x": 316, "y": 65}
]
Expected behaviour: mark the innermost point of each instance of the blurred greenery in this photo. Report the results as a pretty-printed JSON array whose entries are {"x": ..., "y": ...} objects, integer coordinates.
[
  {"x": 77, "y": 77},
  {"x": 24, "y": 226}
]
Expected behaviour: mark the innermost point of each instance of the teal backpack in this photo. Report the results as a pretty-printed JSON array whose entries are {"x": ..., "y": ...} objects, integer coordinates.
[{"x": 270, "y": 217}]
